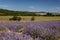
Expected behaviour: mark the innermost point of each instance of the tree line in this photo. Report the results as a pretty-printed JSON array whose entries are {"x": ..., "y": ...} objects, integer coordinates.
[{"x": 5, "y": 12}]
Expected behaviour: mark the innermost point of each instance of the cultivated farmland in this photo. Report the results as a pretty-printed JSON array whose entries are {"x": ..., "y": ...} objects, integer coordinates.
[
  {"x": 46, "y": 30},
  {"x": 28, "y": 18},
  {"x": 41, "y": 28}
]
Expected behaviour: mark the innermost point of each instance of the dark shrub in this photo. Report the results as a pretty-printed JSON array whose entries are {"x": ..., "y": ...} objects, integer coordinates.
[
  {"x": 19, "y": 18},
  {"x": 32, "y": 19},
  {"x": 49, "y": 14},
  {"x": 15, "y": 18},
  {"x": 10, "y": 18}
]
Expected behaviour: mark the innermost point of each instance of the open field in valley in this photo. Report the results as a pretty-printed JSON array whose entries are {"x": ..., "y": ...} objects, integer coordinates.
[{"x": 28, "y": 18}]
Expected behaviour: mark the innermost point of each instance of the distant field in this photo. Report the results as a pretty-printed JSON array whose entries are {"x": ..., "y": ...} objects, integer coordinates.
[{"x": 28, "y": 18}]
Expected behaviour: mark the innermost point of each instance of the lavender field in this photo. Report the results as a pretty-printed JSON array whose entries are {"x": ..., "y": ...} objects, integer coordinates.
[{"x": 39, "y": 30}]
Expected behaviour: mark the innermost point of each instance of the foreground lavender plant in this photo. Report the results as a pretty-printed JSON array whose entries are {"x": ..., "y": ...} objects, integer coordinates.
[{"x": 47, "y": 30}]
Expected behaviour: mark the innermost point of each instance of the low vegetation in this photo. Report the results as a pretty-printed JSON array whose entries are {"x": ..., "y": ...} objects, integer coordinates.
[
  {"x": 1, "y": 29},
  {"x": 19, "y": 28},
  {"x": 15, "y": 18},
  {"x": 5, "y": 12},
  {"x": 33, "y": 18}
]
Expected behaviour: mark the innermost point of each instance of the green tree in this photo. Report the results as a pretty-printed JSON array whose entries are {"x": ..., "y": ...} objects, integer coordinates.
[{"x": 49, "y": 14}]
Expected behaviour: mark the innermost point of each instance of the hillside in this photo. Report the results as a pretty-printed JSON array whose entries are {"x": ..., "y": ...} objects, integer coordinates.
[{"x": 5, "y": 12}]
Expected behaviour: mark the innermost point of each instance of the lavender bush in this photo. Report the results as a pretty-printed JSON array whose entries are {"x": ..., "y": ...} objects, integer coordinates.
[{"x": 46, "y": 30}]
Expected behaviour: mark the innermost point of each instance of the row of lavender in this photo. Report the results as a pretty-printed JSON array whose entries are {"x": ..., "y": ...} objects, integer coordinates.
[{"x": 46, "y": 30}]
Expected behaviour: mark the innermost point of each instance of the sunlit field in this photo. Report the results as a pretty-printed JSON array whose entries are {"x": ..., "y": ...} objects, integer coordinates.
[
  {"x": 28, "y": 18},
  {"x": 42, "y": 28}
]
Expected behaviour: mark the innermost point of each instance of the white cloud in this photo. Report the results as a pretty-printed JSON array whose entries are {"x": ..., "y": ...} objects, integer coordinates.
[
  {"x": 54, "y": 9},
  {"x": 32, "y": 10},
  {"x": 31, "y": 7},
  {"x": 57, "y": 8}
]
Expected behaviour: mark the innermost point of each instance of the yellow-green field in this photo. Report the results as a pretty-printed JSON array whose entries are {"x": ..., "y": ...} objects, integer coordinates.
[{"x": 28, "y": 18}]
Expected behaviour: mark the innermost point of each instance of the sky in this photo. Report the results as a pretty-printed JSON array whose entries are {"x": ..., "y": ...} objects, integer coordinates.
[{"x": 31, "y": 5}]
